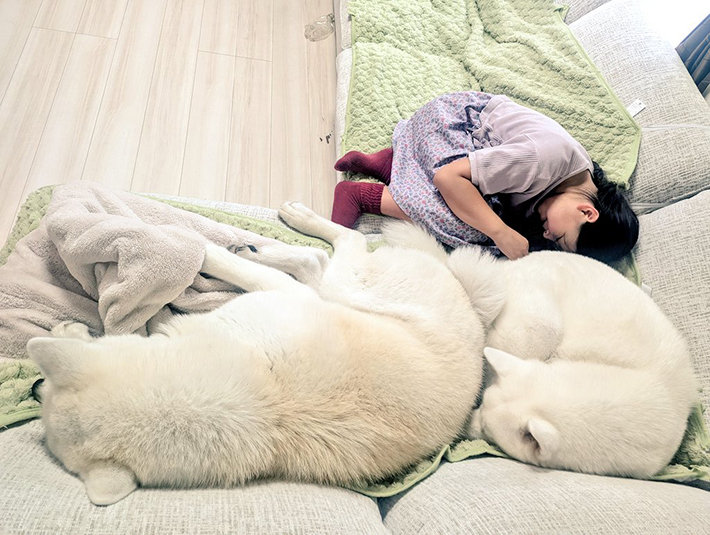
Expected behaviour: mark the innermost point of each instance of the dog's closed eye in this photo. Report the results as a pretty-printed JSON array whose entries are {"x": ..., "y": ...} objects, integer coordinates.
[{"x": 36, "y": 390}]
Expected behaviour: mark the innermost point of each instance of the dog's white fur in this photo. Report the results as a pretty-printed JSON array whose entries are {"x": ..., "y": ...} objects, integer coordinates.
[
  {"x": 601, "y": 382},
  {"x": 347, "y": 388},
  {"x": 373, "y": 373}
]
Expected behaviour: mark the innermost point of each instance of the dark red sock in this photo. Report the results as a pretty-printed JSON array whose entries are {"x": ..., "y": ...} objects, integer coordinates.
[
  {"x": 352, "y": 199},
  {"x": 377, "y": 165}
]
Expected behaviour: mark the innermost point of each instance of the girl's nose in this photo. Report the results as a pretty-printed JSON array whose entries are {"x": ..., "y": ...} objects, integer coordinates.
[{"x": 547, "y": 235}]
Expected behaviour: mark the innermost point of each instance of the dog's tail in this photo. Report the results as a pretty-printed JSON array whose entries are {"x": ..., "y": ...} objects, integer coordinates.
[
  {"x": 411, "y": 236},
  {"x": 479, "y": 272},
  {"x": 481, "y": 275}
]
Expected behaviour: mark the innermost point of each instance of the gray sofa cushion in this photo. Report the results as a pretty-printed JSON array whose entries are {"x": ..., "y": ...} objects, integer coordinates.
[
  {"x": 38, "y": 496},
  {"x": 674, "y": 156},
  {"x": 502, "y": 496},
  {"x": 673, "y": 256},
  {"x": 579, "y": 8}
]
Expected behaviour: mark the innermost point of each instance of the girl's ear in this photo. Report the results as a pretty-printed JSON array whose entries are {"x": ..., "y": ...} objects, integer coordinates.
[{"x": 591, "y": 214}]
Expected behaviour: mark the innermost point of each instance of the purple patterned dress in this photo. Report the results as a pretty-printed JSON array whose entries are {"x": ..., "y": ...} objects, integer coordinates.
[{"x": 437, "y": 134}]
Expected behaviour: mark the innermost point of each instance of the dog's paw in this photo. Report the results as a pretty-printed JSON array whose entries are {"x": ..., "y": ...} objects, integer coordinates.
[
  {"x": 298, "y": 216},
  {"x": 309, "y": 266},
  {"x": 71, "y": 329},
  {"x": 306, "y": 220},
  {"x": 321, "y": 257},
  {"x": 215, "y": 258},
  {"x": 245, "y": 251}
]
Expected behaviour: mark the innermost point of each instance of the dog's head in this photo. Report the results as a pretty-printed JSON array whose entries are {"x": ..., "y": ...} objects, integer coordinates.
[
  {"x": 73, "y": 415},
  {"x": 509, "y": 416},
  {"x": 579, "y": 416}
]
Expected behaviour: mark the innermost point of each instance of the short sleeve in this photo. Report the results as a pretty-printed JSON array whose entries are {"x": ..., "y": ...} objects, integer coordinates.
[{"x": 511, "y": 167}]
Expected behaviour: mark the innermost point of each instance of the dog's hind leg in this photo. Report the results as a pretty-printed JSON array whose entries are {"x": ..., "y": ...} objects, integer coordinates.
[
  {"x": 351, "y": 263},
  {"x": 245, "y": 274},
  {"x": 72, "y": 329},
  {"x": 307, "y": 221}
]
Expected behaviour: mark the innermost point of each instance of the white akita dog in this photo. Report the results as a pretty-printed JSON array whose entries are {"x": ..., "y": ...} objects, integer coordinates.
[
  {"x": 601, "y": 381},
  {"x": 279, "y": 382}
]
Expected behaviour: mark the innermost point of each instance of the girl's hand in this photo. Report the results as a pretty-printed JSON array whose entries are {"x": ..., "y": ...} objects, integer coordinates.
[{"x": 511, "y": 243}]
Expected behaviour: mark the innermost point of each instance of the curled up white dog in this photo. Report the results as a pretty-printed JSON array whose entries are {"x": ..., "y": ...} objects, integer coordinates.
[
  {"x": 279, "y": 382},
  {"x": 588, "y": 373}
]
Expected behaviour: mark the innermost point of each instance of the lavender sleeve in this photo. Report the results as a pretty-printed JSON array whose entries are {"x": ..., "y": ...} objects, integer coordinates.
[{"x": 512, "y": 167}]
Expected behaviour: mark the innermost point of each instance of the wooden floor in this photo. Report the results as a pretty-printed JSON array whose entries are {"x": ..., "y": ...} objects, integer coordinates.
[{"x": 216, "y": 99}]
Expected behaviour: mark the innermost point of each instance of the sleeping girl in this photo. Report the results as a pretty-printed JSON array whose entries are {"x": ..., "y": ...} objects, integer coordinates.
[{"x": 475, "y": 168}]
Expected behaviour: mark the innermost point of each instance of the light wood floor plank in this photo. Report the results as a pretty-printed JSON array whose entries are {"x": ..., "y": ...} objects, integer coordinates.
[
  {"x": 24, "y": 112},
  {"x": 272, "y": 129},
  {"x": 162, "y": 146},
  {"x": 290, "y": 131},
  {"x": 255, "y": 27},
  {"x": 219, "y": 27},
  {"x": 102, "y": 18},
  {"x": 250, "y": 146},
  {"x": 320, "y": 56},
  {"x": 62, "y": 151},
  {"x": 16, "y": 18},
  {"x": 204, "y": 170},
  {"x": 63, "y": 15},
  {"x": 114, "y": 146}
]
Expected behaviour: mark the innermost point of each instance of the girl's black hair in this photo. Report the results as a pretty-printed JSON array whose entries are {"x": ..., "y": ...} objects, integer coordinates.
[
  {"x": 609, "y": 238},
  {"x": 615, "y": 232}
]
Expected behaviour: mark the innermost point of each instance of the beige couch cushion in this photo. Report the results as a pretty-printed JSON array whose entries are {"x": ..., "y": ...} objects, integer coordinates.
[
  {"x": 38, "y": 496},
  {"x": 491, "y": 495},
  {"x": 673, "y": 256},
  {"x": 579, "y": 8},
  {"x": 674, "y": 157}
]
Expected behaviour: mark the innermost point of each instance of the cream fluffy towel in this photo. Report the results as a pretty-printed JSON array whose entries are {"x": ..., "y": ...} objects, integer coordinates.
[{"x": 118, "y": 262}]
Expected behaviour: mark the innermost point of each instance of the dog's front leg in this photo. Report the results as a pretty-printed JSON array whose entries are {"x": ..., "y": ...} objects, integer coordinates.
[
  {"x": 245, "y": 274},
  {"x": 305, "y": 264},
  {"x": 307, "y": 221}
]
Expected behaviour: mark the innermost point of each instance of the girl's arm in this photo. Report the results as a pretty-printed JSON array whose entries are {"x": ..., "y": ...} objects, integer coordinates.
[{"x": 454, "y": 183}]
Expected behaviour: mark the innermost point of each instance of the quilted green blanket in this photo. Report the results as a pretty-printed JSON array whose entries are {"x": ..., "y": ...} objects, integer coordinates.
[{"x": 406, "y": 52}]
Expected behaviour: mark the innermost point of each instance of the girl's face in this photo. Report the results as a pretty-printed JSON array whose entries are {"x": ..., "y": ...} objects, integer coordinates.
[{"x": 562, "y": 218}]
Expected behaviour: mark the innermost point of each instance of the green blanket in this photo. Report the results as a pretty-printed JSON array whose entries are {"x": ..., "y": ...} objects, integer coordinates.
[
  {"x": 406, "y": 52},
  {"x": 691, "y": 462}
]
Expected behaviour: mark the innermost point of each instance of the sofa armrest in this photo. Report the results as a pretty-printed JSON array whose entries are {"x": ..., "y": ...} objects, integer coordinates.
[{"x": 579, "y": 8}]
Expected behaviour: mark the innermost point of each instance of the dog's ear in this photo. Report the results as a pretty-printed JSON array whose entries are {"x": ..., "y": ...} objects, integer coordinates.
[
  {"x": 107, "y": 483},
  {"x": 61, "y": 360},
  {"x": 545, "y": 437},
  {"x": 503, "y": 363}
]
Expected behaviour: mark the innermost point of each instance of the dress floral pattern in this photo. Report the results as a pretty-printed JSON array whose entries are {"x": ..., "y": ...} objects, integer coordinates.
[{"x": 437, "y": 134}]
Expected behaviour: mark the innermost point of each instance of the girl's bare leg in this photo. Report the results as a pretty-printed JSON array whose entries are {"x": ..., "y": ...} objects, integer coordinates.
[{"x": 389, "y": 207}]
